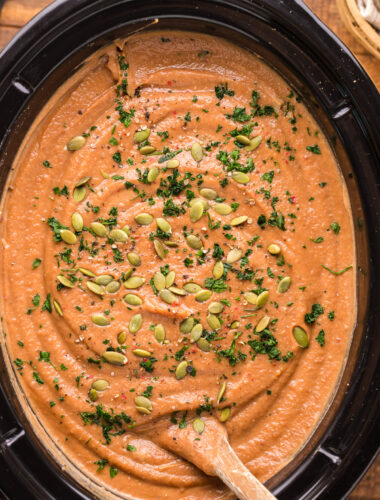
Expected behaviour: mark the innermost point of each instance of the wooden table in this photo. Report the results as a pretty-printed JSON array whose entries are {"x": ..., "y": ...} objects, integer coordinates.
[{"x": 16, "y": 13}]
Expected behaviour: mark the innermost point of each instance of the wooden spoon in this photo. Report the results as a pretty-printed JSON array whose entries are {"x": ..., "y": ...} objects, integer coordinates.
[{"x": 212, "y": 453}]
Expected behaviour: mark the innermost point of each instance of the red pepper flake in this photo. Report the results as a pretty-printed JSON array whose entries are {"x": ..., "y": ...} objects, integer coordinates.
[
  {"x": 174, "y": 112},
  {"x": 293, "y": 198},
  {"x": 169, "y": 83}
]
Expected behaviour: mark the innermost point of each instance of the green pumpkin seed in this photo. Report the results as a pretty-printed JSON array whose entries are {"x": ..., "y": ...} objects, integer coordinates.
[
  {"x": 159, "y": 281},
  {"x": 93, "y": 395},
  {"x": 141, "y": 135},
  {"x": 194, "y": 242},
  {"x": 196, "y": 211},
  {"x": 133, "y": 300},
  {"x": 100, "y": 385},
  {"x": 198, "y": 425},
  {"x": 169, "y": 279},
  {"x": 218, "y": 270},
  {"x": 177, "y": 291},
  {"x": 142, "y": 410},
  {"x": 197, "y": 152},
  {"x": 200, "y": 200},
  {"x": 77, "y": 222},
  {"x": 240, "y": 177},
  {"x": 159, "y": 333},
  {"x": 274, "y": 249},
  {"x": 118, "y": 235},
  {"x": 126, "y": 229},
  {"x": 113, "y": 287},
  {"x": 225, "y": 414},
  {"x": 100, "y": 320},
  {"x": 180, "y": 371},
  {"x": 65, "y": 281},
  {"x": 186, "y": 325},
  {"x": 160, "y": 249},
  {"x": 213, "y": 322},
  {"x": 103, "y": 279},
  {"x": 134, "y": 282},
  {"x": 262, "y": 324},
  {"x": 300, "y": 337},
  {"x": 95, "y": 288},
  {"x": 171, "y": 244},
  {"x": 254, "y": 143},
  {"x": 235, "y": 324},
  {"x": 142, "y": 353},
  {"x": 167, "y": 296},
  {"x": 262, "y": 299},
  {"x": 134, "y": 258},
  {"x": 208, "y": 193},
  {"x": 221, "y": 392},
  {"x": 76, "y": 143},
  {"x": 284, "y": 285},
  {"x": 215, "y": 307},
  {"x": 163, "y": 224},
  {"x": 242, "y": 139},
  {"x": 196, "y": 333},
  {"x": 99, "y": 229},
  {"x": 68, "y": 236},
  {"x": 128, "y": 273},
  {"x": 79, "y": 194},
  {"x": 172, "y": 163},
  {"x": 192, "y": 287},
  {"x": 144, "y": 219},
  {"x": 143, "y": 402},
  {"x": 251, "y": 298},
  {"x": 57, "y": 307},
  {"x": 239, "y": 220},
  {"x": 222, "y": 208},
  {"x": 83, "y": 181},
  {"x": 104, "y": 174},
  {"x": 147, "y": 150},
  {"x": 115, "y": 358},
  {"x": 86, "y": 272},
  {"x": 204, "y": 345},
  {"x": 203, "y": 295},
  {"x": 234, "y": 255},
  {"x": 122, "y": 337},
  {"x": 135, "y": 323},
  {"x": 153, "y": 174}
]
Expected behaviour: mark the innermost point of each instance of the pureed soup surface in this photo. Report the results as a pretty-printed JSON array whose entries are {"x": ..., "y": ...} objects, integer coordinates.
[{"x": 154, "y": 267}]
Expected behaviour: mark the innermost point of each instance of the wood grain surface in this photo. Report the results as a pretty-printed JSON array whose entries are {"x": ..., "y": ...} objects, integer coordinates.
[{"x": 16, "y": 13}]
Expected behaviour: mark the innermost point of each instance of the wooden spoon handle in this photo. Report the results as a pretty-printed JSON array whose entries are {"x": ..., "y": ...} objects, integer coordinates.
[{"x": 237, "y": 477}]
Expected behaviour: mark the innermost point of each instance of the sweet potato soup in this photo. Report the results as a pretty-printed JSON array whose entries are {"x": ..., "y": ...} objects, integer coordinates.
[{"x": 177, "y": 249}]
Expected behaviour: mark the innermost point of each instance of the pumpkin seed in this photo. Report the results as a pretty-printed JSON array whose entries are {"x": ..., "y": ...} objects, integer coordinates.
[
  {"x": 240, "y": 177},
  {"x": 104, "y": 174},
  {"x": 262, "y": 298},
  {"x": 198, "y": 425},
  {"x": 186, "y": 325},
  {"x": 128, "y": 273},
  {"x": 142, "y": 353},
  {"x": 144, "y": 219},
  {"x": 171, "y": 244},
  {"x": 167, "y": 296},
  {"x": 300, "y": 337},
  {"x": 57, "y": 307},
  {"x": 113, "y": 287},
  {"x": 160, "y": 249},
  {"x": 122, "y": 337},
  {"x": 118, "y": 235},
  {"x": 203, "y": 295},
  {"x": 204, "y": 345},
  {"x": 274, "y": 249},
  {"x": 235, "y": 324},
  {"x": 200, "y": 200},
  {"x": 159, "y": 333},
  {"x": 192, "y": 287},
  {"x": 172, "y": 163},
  {"x": 86, "y": 272},
  {"x": 142, "y": 410},
  {"x": 143, "y": 402},
  {"x": 99, "y": 229},
  {"x": 159, "y": 281},
  {"x": 177, "y": 291},
  {"x": 242, "y": 139},
  {"x": 115, "y": 358},
  {"x": 132, "y": 299},
  {"x": 225, "y": 414},
  {"x": 141, "y": 135},
  {"x": 196, "y": 211},
  {"x": 239, "y": 220},
  {"x": 65, "y": 281},
  {"x": 262, "y": 324},
  {"x": 234, "y": 255},
  {"x": 251, "y": 298},
  {"x": 208, "y": 193},
  {"x": 100, "y": 385},
  {"x": 197, "y": 151},
  {"x": 196, "y": 333},
  {"x": 218, "y": 270},
  {"x": 93, "y": 395},
  {"x": 284, "y": 284},
  {"x": 134, "y": 282},
  {"x": 194, "y": 242},
  {"x": 254, "y": 143},
  {"x": 221, "y": 392},
  {"x": 215, "y": 307},
  {"x": 83, "y": 181},
  {"x": 169, "y": 279},
  {"x": 103, "y": 279},
  {"x": 95, "y": 288},
  {"x": 163, "y": 224},
  {"x": 134, "y": 258},
  {"x": 213, "y": 322},
  {"x": 68, "y": 236},
  {"x": 79, "y": 194},
  {"x": 126, "y": 229},
  {"x": 153, "y": 174},
  {"x": 77, "y": 222},
  {"x": 222, "y": 208},
  {"x": 147, "y": 150},
  {"x": 100, "y": 320},
  {"x": 76, "y": 143},
  {"x": 135, "y": 323},
  {"x": 180, "y": 371}
]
